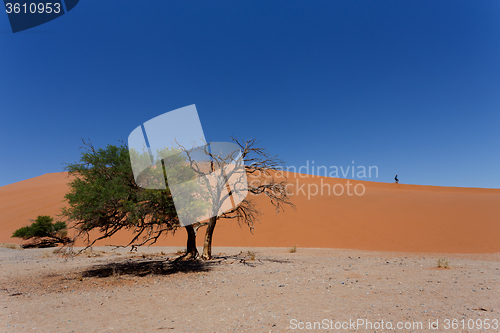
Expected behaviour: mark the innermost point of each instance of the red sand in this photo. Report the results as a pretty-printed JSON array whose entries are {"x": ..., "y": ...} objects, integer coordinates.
[{"x": 388, "y": 217}]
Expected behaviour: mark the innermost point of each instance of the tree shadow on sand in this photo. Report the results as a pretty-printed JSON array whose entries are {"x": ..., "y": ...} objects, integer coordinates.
[
  {"x": 149, "y": 266},
  {"x": 143, "y": 267}
]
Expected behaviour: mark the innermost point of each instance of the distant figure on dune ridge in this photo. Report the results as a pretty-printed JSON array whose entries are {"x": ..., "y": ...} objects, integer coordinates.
[{"x": 396, "y": 179}]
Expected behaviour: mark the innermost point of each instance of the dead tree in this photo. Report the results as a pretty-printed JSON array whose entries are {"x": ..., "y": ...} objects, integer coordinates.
[{"x": 265, "y": 177}]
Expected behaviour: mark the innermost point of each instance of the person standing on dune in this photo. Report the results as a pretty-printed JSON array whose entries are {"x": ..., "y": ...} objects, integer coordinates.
[{"x": 396, "y": 179}]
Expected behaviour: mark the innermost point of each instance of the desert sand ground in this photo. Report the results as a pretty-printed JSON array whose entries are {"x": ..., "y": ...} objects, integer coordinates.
[
  {"x": 245, "y": 290},
  {"x": 362, "y": 259}
]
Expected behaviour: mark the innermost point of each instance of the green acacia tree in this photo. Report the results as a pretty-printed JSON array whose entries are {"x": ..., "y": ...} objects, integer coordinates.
[
  {"x": 104, "y": 197},
  {"x": 44, "y": 232}
]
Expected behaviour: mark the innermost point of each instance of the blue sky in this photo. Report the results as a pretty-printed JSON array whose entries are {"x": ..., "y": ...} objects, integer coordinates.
[{"x": 412, "y": 87}]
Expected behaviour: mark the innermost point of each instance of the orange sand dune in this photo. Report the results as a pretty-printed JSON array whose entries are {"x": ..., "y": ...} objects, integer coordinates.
[{"x": 387, "y": 217}]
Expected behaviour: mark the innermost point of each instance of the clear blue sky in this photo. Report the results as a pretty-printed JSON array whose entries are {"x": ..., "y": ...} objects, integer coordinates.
[{"x": 412, "y": 87}]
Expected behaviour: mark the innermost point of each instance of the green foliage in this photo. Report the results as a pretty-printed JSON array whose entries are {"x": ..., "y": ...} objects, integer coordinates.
[
  {"x": 43, "y": 230},
  {"x": 105, "y": 197}
]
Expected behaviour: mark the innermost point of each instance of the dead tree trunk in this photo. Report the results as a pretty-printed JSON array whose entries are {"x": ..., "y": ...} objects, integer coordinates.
[
  {"x": 207, "y": 246},
  {"x": 191, "y": 250}
]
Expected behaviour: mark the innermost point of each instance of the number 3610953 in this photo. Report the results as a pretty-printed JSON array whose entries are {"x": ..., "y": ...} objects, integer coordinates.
[{"x": 33, "y": 8}]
